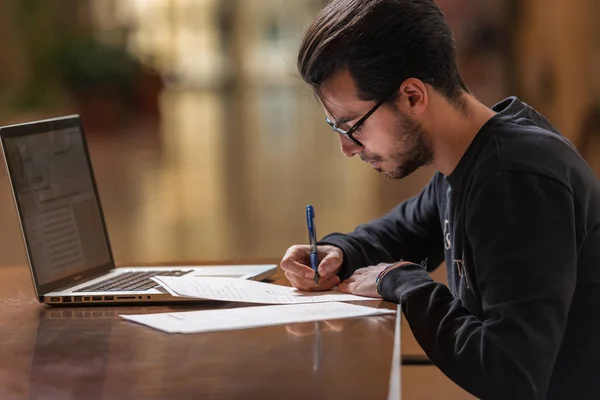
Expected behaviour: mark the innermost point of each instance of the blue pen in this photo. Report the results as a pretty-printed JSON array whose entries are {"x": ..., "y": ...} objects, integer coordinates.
[{"x": 312, "y": 237}]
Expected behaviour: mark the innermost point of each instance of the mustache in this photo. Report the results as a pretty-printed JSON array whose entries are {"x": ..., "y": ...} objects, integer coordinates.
[{"x": 365, "y": 158}]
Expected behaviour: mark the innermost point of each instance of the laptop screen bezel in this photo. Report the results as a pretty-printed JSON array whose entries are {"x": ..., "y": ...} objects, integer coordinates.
[{"x": 46, "y": 126}]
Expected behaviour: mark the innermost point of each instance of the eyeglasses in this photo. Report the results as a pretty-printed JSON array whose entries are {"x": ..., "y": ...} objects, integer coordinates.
[{"x": 349, "y": 134}]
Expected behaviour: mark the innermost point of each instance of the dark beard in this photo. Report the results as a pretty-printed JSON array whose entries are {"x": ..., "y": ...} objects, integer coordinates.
[{"x": 413, "y": 150}]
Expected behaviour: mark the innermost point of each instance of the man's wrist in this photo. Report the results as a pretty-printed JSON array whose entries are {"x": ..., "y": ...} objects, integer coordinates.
[
  {"x": 399, "y": 281},
  {"x": 387, "y": 269}
]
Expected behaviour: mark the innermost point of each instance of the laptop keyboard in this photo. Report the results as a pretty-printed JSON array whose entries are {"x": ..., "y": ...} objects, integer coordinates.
[{"x": 130, "y": 281}]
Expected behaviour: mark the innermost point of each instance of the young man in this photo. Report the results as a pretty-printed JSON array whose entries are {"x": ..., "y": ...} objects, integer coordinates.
[{"x": 513, "y": 210}]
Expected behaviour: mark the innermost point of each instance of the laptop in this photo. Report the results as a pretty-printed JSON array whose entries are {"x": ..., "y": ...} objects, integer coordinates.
[{"x": 63, "y": 226}]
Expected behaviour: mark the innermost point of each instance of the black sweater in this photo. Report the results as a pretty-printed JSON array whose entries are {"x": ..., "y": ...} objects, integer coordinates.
[{"x": 518, "y": 225}]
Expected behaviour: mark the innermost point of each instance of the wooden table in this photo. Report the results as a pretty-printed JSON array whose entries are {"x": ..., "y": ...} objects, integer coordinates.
[{"x": 91, "y": 353}]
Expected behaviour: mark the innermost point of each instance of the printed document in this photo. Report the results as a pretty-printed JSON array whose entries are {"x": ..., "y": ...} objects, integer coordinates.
[
  {"x": 251, "y": 317},
  {"x": 248, "y": 291}
]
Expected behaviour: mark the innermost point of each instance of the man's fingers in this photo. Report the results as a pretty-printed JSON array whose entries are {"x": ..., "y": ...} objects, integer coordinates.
[
  {"x": 343, "y": 287},
  {"x": 289, "y": 277},
  {"x": 297, "y": 261},
  {"x": 332, "y": 281},
  {"x": 294, "y": 267},
  {"x": 329, "y": 265},
  {"x": 293, "y": 261},
  {"x": 302, "y": 283},
  {"x": 297, "y": 252},
  {"x": 308, "y": 285},
  {"x": 348, "y": 285},
  {"x": 324, "y": 283}
]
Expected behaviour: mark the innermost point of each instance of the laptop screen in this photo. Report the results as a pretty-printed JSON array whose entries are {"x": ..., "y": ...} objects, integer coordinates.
[{"x": 60, "y": 214}]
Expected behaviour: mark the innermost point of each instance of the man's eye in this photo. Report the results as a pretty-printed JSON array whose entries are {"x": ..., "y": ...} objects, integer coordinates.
[{"x": 359, "y": 128}]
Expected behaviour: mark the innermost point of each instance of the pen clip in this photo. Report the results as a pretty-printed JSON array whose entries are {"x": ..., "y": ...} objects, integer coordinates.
[{"x": 310, "y": 221}]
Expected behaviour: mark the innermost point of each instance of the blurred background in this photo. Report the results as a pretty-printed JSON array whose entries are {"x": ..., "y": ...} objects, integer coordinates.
[{"x": 205, "y": 142}]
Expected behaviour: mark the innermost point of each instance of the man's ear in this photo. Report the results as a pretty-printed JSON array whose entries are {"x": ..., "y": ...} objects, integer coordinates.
[{"x": 412, "y": 97}]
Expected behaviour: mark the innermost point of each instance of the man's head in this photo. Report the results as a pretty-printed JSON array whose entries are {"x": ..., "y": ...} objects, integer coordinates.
[{"x": 361, "y": 55}]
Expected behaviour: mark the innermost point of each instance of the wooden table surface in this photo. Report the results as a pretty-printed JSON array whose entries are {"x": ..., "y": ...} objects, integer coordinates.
[{"x": 91, "y": 353}]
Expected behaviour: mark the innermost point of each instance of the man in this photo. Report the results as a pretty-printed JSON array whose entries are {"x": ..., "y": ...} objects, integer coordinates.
[{"x": 513, "y": 210}]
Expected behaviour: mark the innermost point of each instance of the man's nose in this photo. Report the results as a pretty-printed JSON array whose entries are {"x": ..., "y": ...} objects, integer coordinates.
[{"x": 349, "y": 148}]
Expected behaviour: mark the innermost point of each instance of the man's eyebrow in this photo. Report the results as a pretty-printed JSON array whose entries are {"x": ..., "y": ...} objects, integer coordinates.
[
  {"x": 338, "y": 121},
  {"x": 343, "y": 120}
]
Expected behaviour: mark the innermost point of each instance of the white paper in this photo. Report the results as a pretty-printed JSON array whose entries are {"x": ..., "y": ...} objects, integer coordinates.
[
  {"x": 248, "y": 291},
  {"x": 251, "y": 317}
]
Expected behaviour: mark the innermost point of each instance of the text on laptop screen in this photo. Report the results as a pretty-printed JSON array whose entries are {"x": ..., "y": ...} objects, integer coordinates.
[{"x": 59, "y": 209}]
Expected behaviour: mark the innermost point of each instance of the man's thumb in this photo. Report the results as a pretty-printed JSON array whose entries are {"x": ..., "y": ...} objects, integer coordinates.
[{"x": 329, "y": 265}]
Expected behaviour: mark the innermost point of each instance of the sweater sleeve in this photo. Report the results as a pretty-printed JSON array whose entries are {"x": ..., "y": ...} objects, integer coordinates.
[
  {"x": 410, "y": 231},
  {"x": 523, "y": 235}
]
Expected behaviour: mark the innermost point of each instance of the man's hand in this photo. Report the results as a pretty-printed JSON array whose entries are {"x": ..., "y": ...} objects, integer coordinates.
[
  {"x": 296, "y": 265},
  {"x": 362, "y": 282}
]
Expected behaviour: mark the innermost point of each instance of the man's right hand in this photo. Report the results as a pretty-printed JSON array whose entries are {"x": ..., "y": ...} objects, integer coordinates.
[{"x": 296, "y": 265}]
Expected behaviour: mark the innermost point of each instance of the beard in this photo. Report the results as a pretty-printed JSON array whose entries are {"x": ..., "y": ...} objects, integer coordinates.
[{"x": 411, "y": 151}]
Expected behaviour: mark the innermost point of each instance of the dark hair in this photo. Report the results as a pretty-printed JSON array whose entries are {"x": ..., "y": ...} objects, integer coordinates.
[{"x": 382, "y": 43}]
